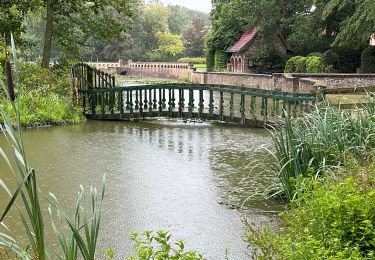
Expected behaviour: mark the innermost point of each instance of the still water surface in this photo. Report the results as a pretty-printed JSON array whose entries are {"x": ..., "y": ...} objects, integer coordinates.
[{"x": 160, "y": 175}]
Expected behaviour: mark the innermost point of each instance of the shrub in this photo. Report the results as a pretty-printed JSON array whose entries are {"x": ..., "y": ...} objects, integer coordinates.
[
  {"x": 196, "y": 60},
  {"x": 157, "y": 245},
  {"x": 315, "y": 64},
  {"x": 334, "y": 219},
  {"x": 331, "y": 59},
  {"x": 368, "y": 60},
  {"x": 221, "y": 60},
  {"x": 296, "y": 64},
  {"x": 319, "y": 142}
]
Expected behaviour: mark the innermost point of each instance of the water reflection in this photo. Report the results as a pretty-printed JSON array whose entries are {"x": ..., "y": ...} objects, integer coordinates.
[{"x": 161, "y": 175}]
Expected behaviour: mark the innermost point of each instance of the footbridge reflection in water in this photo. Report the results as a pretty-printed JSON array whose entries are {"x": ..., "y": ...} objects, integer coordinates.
[{"x": 160, "y": 175}]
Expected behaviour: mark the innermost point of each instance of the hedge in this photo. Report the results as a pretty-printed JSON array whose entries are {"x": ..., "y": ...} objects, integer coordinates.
[{"x": 368, "y": 60}]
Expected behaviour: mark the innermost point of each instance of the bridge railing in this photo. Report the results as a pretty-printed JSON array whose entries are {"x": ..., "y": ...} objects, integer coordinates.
[
  {"x": 89, "y": 77},
  {"x": 243, "y": 105}
]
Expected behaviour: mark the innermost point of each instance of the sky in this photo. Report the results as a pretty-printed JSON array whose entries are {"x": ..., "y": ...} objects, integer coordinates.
[{"x": 200, "y": 5}]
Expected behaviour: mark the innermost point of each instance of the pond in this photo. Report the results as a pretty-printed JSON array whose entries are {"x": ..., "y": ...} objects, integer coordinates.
[{"x": 183, "y": 177}]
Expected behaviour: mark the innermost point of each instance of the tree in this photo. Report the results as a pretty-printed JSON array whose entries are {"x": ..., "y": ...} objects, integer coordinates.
[
  {"x": 194, "y": 38},
  {"x": 12, "y": 13},
  {"x": 170, "y": 45},
  {"x": 75, "y": 22},
  {"x": 357, "y": 21}
]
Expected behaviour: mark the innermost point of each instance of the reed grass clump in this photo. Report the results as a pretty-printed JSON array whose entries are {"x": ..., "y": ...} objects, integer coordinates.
[
  {"x": 319, "y": 142},
  {"x": 24, "y": 200}
]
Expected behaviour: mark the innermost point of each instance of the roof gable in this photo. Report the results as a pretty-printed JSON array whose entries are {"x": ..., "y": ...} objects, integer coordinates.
[{"x": 243, "y": 42}]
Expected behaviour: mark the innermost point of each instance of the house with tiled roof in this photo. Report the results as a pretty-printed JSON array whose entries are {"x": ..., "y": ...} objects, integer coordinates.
[{"x": 248, "y": 45}]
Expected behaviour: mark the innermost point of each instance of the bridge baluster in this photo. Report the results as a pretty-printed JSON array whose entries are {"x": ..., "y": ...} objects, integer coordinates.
[
  {"x": 127, "y": 101},
  {"x": 131, "y": 103},
  {"x": 277, "y": 107},
  {"x": 201, "y": 104},
  {"x": 221, "y": 109},
  {"x": 163, "y": 99},
  {"x": 112, "y": 100},
  {"x": 242, "y": 108},
  {"x": 145, "y": 102},
  {"x": 160, "y": 102},
  {"x": 140, "y": 104},
  {"x": 180, "y": 107},
  {"x": 231, "y": 106},
  {"x": 169, "y": 102},
  {"x": 191, "y": 102},
  {"x": 295, "y": 105},
  {"x": 155, "y": 101},
  {"x": 121, "y": 103},
  {"x": 285, "y": 105},
  {"x": 173, "y": 98},
  {"x": 265, "y": 112},
  {"x": 150, "y": 101},
  {"x": 211, "y": 104},
  {"x": 301, "y": 108},
  {"x": 93, "y": 103},
  {"x": 136, "y": 100}
]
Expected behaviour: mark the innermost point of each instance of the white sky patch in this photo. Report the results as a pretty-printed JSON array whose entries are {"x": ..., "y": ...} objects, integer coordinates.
[{"x": 200, "y": 5}]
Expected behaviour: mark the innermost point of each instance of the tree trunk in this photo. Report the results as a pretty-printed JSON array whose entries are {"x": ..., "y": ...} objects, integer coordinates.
[{"x": 48, "y": 35}]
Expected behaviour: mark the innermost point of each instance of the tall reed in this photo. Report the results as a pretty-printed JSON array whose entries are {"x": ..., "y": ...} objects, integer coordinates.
[
  {"x": 84, "y": 227},
  {"x": 310, "y": 146}
]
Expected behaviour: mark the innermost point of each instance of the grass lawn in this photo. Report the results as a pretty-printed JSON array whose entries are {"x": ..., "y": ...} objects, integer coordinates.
[{"x": 200, "y": 67}]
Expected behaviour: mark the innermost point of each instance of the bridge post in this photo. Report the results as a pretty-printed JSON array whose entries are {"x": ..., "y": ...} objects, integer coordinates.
[
  {"x": 160, "y": 102},
  {"x": 201, "y": 104},
  {"x": 221, "y": 109},
  {"x": 155, "y": 101},
  {"x": 121, "y": 103},
  {"x": 191, "y": 102},
  {"x": 242, "y": 107},
  {"x": 231, "y": 106},
  {"x": 150, "y": 101},
  {"x": 170, "y": 110},
  {"x": 140, "y": 104},
  {"x": 211, "y": 105}
]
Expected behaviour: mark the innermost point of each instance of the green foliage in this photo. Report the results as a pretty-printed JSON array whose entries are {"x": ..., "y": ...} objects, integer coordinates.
[
  {"x": 169, "y": 45},
  {"x": 26, "y": 203},
  {"x": 195, "y": 60},
  {"x": 355, "y": 19},
  {"x": 220, "y": 60},
  {"x": 332, "y": 219},
  {"x": 210, "y": 59},
  {"x": 368, "y": 60},
  {"x": 312, "y": 145},
  {"x": 157, "y": 245},
  {"x": 295, "y": 64},
  {"x": 315, "y": 64},
  {"x": 45, "y": 96},
  {"x": 268, "y": 63},
  {"x": 310, "y": 64},
  {"x": 194, "y": 38}
]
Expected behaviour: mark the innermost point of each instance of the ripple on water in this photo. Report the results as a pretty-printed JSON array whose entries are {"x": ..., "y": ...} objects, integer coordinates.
[{"x": 160, "y": 175}]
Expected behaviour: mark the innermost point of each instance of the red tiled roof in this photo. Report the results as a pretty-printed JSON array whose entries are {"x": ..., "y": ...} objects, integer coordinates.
[{"x": 245, "y": 39}]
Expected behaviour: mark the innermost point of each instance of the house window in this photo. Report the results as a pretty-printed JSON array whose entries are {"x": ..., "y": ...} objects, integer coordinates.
[{"x": 251, "y": 63}]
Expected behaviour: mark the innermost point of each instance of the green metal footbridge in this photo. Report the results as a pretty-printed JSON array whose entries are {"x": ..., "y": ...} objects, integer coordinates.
[{"x": 102, "y": 99}]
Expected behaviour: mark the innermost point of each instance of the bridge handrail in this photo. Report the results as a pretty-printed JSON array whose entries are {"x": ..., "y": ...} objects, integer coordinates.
[{"x": 290, "y": 96}]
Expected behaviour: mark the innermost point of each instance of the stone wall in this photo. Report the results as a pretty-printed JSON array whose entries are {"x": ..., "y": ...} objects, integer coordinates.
[
  {"x": 169, "y": 70},
  {"x": 294, "y": 82}
]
